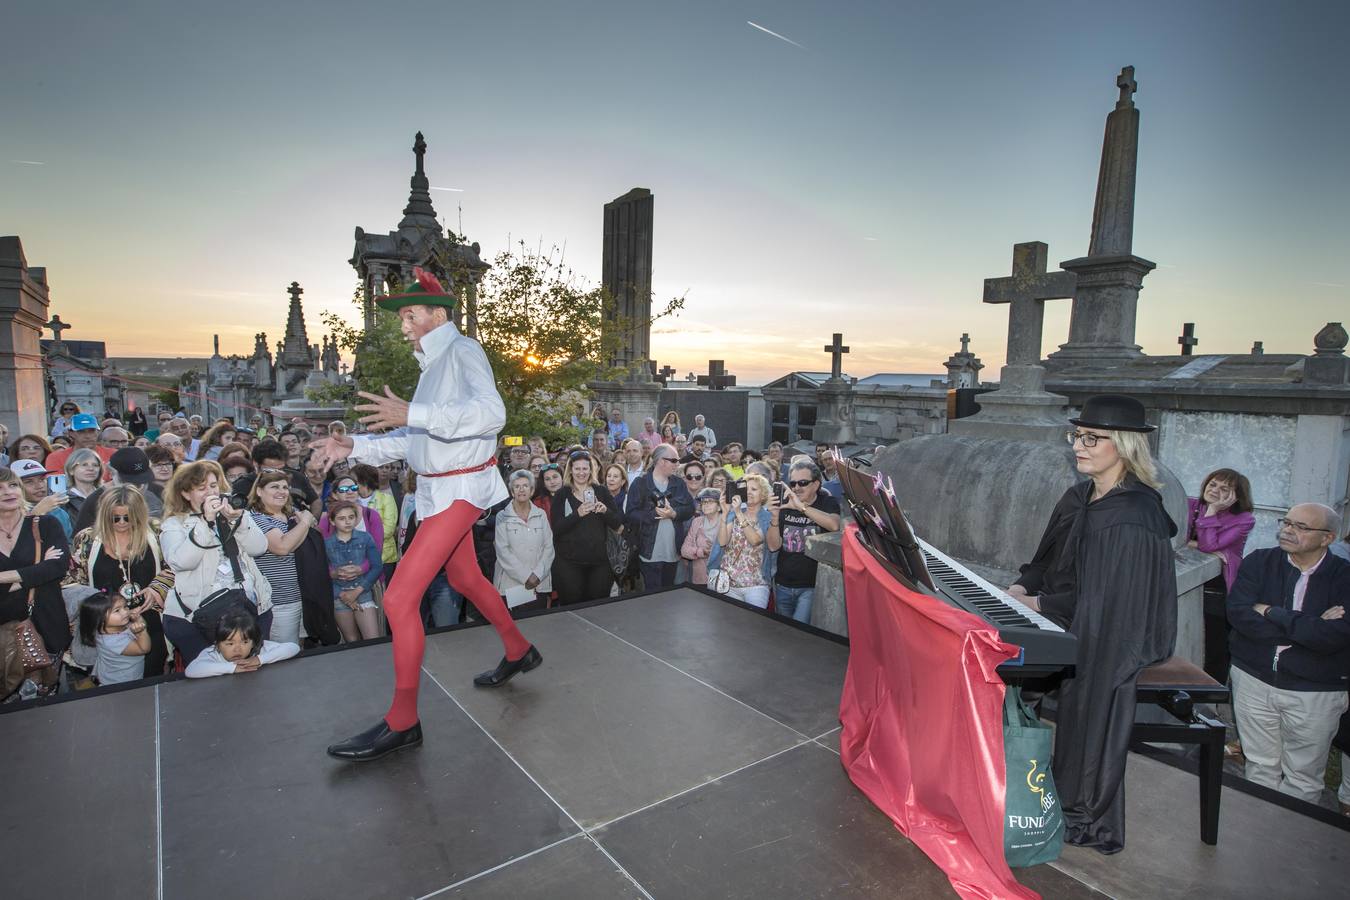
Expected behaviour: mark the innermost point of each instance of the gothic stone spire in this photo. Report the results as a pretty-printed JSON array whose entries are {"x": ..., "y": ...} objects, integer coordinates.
[{"x": 419, "y": 210}]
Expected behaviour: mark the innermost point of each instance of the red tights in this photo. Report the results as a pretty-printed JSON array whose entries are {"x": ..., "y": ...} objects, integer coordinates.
[{"x": 445, "y": 538}]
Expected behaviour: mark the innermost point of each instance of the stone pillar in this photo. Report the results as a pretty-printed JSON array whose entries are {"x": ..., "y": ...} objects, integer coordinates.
[
  {"x": 637, "y": 399},
  {"x": 626, "y": 270},
  {"x": 23, "y": 311},
  {"x": 834, "y": 413}
]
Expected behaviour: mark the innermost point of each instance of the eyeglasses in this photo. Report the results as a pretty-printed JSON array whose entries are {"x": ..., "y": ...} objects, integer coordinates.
[
  {"x": 117, "y": 519},
  {"x": 801, "y": 483},
  {"x": 1088, "y": 438},
  {"x": 1300, "y": 527},
  {"x": 163, "y": 465},
  {"x": 349, "y": 489},
  {"x": 693, "y": 476},
  {"x": 665, "y": 459},
  {"x": 115, "y": 443}
]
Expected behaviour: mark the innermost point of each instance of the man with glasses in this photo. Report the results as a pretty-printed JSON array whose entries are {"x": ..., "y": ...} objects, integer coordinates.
[
  {"x": 658, "y": 510},
  {"x": 129, "y": 465},
  {"x": 1290, "y": 646},
  {"x": 805, "y": 510}
]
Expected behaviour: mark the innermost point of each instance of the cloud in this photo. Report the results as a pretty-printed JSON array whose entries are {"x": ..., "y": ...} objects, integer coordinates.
[
  {"x": 1329, "y": 284},
  {"x": 27, "y": 162},
  {"x": 775, "y": 34}
]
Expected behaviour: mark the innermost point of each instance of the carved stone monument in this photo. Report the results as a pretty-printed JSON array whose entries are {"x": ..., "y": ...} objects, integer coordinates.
[
  {"x": 1021, "y": 408},
  {"x": 627, "y": 272},
  {"x": 1101, "y": 326},
  {"x": 23, "y": 313},
  {"x": 834, "y": 401},
  {"x": 419, "y": 242}
]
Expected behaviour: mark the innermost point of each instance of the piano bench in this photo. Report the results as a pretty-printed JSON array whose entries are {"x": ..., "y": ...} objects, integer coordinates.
[{"x": 1176, "y": 685}]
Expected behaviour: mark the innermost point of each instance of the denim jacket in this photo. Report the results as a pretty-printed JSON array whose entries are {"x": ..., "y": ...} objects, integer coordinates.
[{"x": 360, "y": 549}]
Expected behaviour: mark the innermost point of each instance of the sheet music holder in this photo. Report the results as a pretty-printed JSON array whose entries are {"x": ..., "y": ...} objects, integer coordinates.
[{"x": 882, "y": 524}]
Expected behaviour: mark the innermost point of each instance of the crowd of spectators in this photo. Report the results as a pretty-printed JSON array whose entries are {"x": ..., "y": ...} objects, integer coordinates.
[
  {"x": 113, "y": 564},
  {"x": 145, "y": 539}
]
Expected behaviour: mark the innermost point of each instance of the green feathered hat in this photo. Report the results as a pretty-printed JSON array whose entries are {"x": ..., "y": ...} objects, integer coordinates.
[{"x": 425, "y": 289}]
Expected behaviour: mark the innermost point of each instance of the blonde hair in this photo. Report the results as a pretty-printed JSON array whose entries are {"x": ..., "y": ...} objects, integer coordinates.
[
  {"x": 127, "y": 495},
  {"x": 188, "y": 478},
  {"x": 572, "y": 461},
  {"x": 762, "y": 483},
  {"x": 1132, "y": 447},
  {"x": 262, "y": 481}
]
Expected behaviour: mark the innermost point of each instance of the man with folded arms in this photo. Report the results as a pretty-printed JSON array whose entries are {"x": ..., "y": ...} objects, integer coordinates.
[{"x": 1290, "y": 646}]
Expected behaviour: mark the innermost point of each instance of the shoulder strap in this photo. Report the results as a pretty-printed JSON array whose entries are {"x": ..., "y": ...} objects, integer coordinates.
[{"x": 37, "y": 558}]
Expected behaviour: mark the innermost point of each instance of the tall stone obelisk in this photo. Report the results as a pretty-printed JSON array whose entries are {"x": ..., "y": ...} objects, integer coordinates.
[
  {"x": 1101, "y": 326},
  {"x": 23, "y": 310}
]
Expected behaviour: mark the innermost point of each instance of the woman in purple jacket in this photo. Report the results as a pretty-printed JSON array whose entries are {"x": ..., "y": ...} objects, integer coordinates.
[{"x": 1218, "y": 522}]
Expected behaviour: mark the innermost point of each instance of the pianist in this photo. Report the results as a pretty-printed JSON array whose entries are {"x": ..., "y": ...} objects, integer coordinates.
[{"x": 1104, "y": 570}]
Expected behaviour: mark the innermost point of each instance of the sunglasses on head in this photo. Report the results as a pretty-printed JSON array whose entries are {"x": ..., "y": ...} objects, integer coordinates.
[
  {"x": 580, "y": 454},
  {"x": 554, "y": 466}
]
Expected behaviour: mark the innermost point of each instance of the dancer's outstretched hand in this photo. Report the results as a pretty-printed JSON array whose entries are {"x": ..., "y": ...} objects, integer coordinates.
[
  {"x": 328, "y": 450},
  {"x": 389, "y": 411}
]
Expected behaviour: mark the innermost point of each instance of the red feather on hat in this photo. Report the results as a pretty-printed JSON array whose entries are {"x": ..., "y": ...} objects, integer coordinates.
[{"x": 428, "y": 281}]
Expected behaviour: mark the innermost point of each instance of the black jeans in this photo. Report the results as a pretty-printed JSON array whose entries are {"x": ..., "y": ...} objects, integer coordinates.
[
  {"x": 1217, "y": 629},
  {"x": 657, "y": 574},
  {"x": 579, "y": 582}
]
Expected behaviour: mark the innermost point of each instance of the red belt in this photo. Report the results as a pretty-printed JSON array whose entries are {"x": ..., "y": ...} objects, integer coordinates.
[{"x": 469, "y": 471}]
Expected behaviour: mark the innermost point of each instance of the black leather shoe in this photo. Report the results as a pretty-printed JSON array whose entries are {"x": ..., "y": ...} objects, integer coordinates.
[
  {"x": 376, "y": 742},
  {"x": 507, "y": 668}
]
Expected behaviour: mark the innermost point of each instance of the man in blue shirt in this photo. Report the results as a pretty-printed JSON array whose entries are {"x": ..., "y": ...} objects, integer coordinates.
[{"x": 618, "y": 428}]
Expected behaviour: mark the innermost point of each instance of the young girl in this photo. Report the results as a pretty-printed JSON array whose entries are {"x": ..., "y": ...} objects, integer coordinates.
[
  {"x": 239, "y": 647},
  {"x": 702, "y": 536},
  {"x": 119, "y": 635},
  {"x": 354, "y": 563}
]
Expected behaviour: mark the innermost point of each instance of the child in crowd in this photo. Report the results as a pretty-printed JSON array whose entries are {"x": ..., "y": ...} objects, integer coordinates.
[
  {"x": 702, "y": 534},
  {"x": 239, "y": 647},
  {"x": 354, "y": 564},
  {"x": 119, "y": 636}
]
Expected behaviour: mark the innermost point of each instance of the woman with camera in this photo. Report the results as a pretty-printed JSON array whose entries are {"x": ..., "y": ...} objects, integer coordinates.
[
  {"x": 210, "y": 545},
  {"x": 741, "y": 552},
  {"x": 285, "y": 528},
  {"x": 582, "y": 511},
  {"x": 120, "y": 555}
]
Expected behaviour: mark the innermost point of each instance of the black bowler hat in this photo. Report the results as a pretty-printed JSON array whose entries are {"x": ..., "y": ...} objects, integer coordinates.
[{"x": 1113, "y": 412}]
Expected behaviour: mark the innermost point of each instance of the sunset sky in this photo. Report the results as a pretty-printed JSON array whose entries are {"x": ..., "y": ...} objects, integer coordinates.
[{"x": 855, "y": 167}]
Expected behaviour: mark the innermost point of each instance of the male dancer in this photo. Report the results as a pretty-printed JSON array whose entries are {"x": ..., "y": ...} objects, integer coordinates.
[{"x": 448, "y": 435}]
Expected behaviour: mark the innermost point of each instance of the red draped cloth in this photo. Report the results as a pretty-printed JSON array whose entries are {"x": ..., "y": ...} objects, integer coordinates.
[{"x": 922, "y": 712}]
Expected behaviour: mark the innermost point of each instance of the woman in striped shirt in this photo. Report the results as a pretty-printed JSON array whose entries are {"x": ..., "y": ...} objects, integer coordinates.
[{"x": 285, "y": 528}]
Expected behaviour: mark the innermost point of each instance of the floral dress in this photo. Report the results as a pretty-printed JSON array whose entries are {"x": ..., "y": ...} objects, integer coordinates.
[{"x": 742, "y": 561}]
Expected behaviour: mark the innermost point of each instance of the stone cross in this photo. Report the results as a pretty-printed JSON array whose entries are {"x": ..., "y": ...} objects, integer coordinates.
[
  {"x": 666, "y": 372},
  {"x": 965, "y": 343},
  {"x": 1125, "y": 81},
  {"x": 57, "y": 326},
  {"x": 717, "y": 377},
  {"x": 295, "y": 290},
  {"x": 836, "y": 349},
  {"x": 1026, "y": 290},
  {"x": 420, "y": 149},
  {"x": 1188, "y": 338},
  {"x": 1258, "y": 348}
]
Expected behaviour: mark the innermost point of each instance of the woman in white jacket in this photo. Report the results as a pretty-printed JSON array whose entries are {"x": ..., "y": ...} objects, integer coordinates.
[
  {"x": 191, "y": 543},
  {"x": 523, "y": 539}
]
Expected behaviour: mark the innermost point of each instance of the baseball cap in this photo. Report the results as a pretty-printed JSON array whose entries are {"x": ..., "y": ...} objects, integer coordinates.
[
  {"x": 132, "y": 466},
  {"x": 83, "y": 422},
  {"x": 26, "y": 468}
]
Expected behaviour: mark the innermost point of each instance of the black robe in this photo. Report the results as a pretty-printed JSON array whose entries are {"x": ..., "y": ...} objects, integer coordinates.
[{"x": 1107, "y": 570}]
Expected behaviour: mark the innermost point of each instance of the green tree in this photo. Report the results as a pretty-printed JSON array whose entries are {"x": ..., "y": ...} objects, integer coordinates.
[{"x": 540, "y": 326}]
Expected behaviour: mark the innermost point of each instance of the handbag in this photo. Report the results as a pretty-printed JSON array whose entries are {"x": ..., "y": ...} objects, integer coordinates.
[
  {"x": 211, "y": 610},
  {"x": 619, "y": 550},
  {"x": 22, "y": 651},
  {"x": 1034, "y": 830}
]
